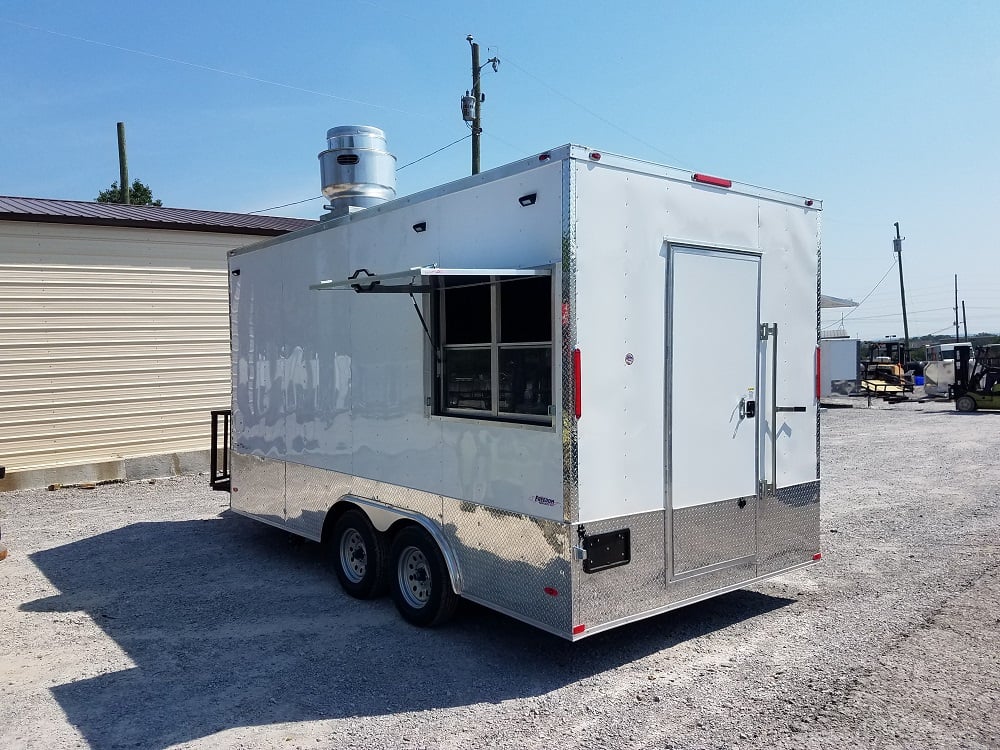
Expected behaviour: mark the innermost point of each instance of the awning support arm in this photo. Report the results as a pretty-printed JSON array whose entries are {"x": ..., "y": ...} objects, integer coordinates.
[{"x": 424, "y": 324}]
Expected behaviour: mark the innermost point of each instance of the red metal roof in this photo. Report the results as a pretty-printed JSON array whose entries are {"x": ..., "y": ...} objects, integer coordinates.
[{"x": 148, "y": 217}]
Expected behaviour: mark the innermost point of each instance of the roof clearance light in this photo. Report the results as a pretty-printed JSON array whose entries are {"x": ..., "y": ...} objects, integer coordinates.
[
  {"x": 809, "y": 201},
  {"x": 708, "y": 179},
  {"x": 818, "y": 556},
  {"x": 595, "y": 155},
  {"x": 544, "y": 157}
]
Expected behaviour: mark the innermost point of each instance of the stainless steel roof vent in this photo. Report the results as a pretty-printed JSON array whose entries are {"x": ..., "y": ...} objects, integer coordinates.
[{"x": 356, "y": 169}]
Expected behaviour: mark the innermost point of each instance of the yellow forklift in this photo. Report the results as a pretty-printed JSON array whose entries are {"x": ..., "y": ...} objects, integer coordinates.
[{"x": 977, "y": 379}]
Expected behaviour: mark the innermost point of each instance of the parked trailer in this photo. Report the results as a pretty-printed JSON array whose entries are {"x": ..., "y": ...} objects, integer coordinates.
[{"x": 500, "y": 390}]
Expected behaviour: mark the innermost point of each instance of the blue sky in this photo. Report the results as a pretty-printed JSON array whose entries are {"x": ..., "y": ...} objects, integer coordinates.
[{"x": 887, "y": 111}]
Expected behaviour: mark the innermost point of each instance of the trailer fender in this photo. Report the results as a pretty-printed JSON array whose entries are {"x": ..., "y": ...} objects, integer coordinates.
[{"x": 383, "y": 517}]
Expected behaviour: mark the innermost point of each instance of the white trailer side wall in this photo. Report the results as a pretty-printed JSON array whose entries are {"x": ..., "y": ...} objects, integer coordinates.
[{"x": 336, "y": 380}]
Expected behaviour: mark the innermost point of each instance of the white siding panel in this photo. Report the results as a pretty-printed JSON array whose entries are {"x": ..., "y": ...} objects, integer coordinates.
[{"x": 114, "y": 343}]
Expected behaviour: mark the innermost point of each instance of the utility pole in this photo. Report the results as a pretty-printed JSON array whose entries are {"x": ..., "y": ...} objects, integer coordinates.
[
  {"x": 956, "y": 308},
  {"x": 965, "y": 324},
  {"x": 897, "y": 247},
  {"x": 472, "y": 103},
  {"x": 123, "y": 164}
]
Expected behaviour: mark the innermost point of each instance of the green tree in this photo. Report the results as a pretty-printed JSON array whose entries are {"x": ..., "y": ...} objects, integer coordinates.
[{"x": 139, "y": 195}]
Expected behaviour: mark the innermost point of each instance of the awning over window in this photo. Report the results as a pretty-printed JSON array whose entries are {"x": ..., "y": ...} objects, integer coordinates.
[
  {"x": 416, "y": 279},
  {"x": 826, "y": 302}
]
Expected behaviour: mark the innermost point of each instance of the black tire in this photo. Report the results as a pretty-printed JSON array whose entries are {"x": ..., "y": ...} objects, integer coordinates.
[
  {"x": 358, "y": 555},
  {"x": 965, "y": 403},
  {"x": 419, "y": 581}
]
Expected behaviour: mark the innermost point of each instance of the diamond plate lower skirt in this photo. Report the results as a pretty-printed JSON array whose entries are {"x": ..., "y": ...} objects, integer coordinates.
[{"x": 526, "y": 566}]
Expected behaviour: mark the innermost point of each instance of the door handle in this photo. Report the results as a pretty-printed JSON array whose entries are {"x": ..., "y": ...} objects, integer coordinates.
[{"x": 769, "y": 330}]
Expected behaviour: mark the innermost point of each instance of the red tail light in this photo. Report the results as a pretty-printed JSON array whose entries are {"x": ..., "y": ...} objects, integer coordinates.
[
  {"x": 577, "y": 393},
  {"x": 819, "y": 377},
  {"x": 577, "y": 629}
]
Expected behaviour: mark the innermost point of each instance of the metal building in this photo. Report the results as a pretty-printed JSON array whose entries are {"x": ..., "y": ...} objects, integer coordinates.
[{"x": 113, "y": 336}]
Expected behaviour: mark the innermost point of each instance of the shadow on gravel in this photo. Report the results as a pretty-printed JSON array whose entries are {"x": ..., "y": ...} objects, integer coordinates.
[
  {"x": 964, "y": 414},
  {"x": 231, "y": 623}
]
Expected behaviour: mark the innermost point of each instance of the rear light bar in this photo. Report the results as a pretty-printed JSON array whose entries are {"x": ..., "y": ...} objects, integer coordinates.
[{"x": 707, "y": 179}]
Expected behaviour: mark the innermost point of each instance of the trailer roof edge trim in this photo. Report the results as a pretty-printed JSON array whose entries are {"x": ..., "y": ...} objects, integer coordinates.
[
  {"x": 541, "y": 161},
  {"x": 581, "y": 153}
]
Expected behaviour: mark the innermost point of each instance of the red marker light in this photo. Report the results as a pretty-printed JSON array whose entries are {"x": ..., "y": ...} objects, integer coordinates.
[
  {"x": 577, "y": 629},
  {"x": 818, "y": 556},
  {"x": 550, "y": 591},
  {"x": 544, "y": 157},
  {"x": 708, "y": 179},
  {"x": 819, "y": 379},
  {"x": 596, "y": 156},
  {"x": 577, "y": 393},
  {"x": 809, "y": 201}
]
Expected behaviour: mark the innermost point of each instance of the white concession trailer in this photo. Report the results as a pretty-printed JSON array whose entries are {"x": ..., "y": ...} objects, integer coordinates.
[{"x": 579, "y": 389}]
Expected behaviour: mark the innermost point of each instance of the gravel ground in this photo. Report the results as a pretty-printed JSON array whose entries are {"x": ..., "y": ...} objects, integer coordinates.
[{"x": 145, "y": 615}]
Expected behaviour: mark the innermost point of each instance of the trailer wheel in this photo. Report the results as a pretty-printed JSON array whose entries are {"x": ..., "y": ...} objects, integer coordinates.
[
  {"x": 358, "y": 555},
  {"x": 965, "y": 403},
  {"x": 421, "y": 587}
]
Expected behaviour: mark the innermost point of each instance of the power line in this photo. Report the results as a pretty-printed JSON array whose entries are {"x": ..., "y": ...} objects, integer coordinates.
[
  {"x": 896, "y": 314},
  {"x": 844, "y": 317},
  {"x": 588, "y": 110},
  {"x": 285, "y": 205},
  {"x": 210, "y": 68},
  {"x": 410, "y": 164}
]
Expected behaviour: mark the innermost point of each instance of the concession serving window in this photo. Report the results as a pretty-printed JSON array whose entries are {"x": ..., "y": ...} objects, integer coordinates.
[{"x": 491, "y": 333}]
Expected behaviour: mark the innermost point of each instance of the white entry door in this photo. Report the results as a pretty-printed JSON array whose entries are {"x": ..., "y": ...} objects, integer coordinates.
[{"x": 712, "y": 460}]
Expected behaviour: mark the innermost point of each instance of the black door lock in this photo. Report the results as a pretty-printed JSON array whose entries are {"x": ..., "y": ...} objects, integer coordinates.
[{"x": 751, "y": 409}]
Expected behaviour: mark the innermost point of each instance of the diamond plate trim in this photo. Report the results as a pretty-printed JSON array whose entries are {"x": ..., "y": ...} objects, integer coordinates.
[
  {"x": 712, "y": 533},
  {"x": 510, "y": 561},
  {"x": 571, "y": 488},
  {"x": 819, "y": 322},
  {"x": 629, "y": 589},
  {"x": 417, "y": 501},
  {"x": 788, "y": 527},
  {"x": 507, "y": 560},
  {"x": 258, "y": 487},
  {"x": 311, "y": 493}
]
